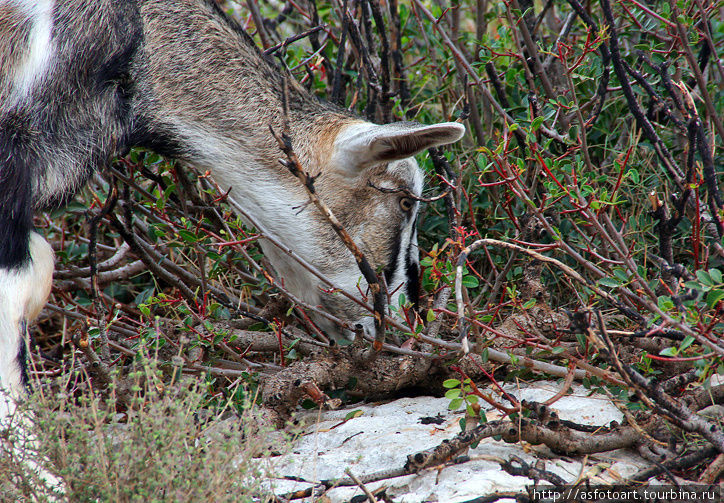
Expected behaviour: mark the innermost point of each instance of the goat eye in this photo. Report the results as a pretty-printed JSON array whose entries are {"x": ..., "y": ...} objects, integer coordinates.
[{"x": 406, "y": 204}]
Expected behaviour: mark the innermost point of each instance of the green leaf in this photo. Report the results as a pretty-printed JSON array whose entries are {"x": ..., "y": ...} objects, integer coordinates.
[
  {"x": 621, "y": 274},
  {"x": 715, "y": 275},
  {"x": 470, "y": 282},
  {"x": 430, "y": 315},
  {"x": 144, "y": 295},
  {"x": 450, "y": 383},
  {"x": 665, "y": 303},
  {"x": 610, "y": 282},
  {"x": 581, "y": 340},
  {"x": 484, "y": 355},
  {"x": 713, "y": 297},
  {"x": 669, "y": 352},
  {"x": 453, "y": 394},
  {"x": 529, "y": 304},
  {"x": 693, "y": 285},
  {"x": 353, "y": 414},
  {"x": 455, "y": 404},
  {"x": 401, "y": 300},
  {"x": 634, "y": 175},
  {"x": 187, "y": 236},
  {"x": 536, "y": 124},
  {"x": 704, "y": 278},
  {"x": 688, "y": 340}
]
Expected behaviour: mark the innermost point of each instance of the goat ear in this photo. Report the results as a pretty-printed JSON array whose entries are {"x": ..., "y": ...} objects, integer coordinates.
[{"x": 363, "y": 144}]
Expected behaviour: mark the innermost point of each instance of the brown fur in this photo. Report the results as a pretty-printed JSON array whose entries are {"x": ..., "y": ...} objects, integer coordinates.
[
  {"x": 14, "y": 32},
  {"x": 180, "y": 77}
]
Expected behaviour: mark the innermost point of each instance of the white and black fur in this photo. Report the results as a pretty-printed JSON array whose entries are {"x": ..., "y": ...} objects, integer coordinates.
[{"x": 84, "y": 80}]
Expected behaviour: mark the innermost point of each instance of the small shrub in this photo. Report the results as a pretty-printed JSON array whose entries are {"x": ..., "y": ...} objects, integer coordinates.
[{"x": 170, "y": 446}]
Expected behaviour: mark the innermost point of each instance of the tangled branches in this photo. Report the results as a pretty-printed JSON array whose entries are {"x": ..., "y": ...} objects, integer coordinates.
[{"x": 577, "y": 233}]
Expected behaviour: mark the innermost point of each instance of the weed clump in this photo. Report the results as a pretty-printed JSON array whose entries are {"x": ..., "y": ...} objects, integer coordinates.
[{"x": 169, "y": 446}]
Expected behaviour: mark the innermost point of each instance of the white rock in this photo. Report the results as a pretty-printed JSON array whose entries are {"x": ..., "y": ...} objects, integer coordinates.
[
  {"x": 581, "y": 406},
  {"x": 383, "y": 435}
]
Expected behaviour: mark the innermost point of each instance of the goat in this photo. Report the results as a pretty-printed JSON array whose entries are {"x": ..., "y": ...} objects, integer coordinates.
[{"x": 84, "y": 80}]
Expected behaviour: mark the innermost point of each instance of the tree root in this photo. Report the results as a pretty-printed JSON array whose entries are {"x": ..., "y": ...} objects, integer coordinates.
[
  {"x": 559, "y": 440},
  {"x": 380, "y": 377}
]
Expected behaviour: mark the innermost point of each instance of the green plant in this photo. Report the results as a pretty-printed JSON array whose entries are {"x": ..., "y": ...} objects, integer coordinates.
[{"x": 170, "y": 445}]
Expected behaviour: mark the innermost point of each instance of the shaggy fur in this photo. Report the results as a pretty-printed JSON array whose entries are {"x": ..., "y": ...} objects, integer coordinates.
[{"x": 82, "y": 80}]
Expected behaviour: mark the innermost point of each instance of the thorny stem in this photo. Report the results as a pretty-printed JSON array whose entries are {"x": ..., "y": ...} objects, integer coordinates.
[
  {"x": 474, "y": 75},
  {"x": 684, "y": 40},
  {"x": 307, "y": 181}
]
